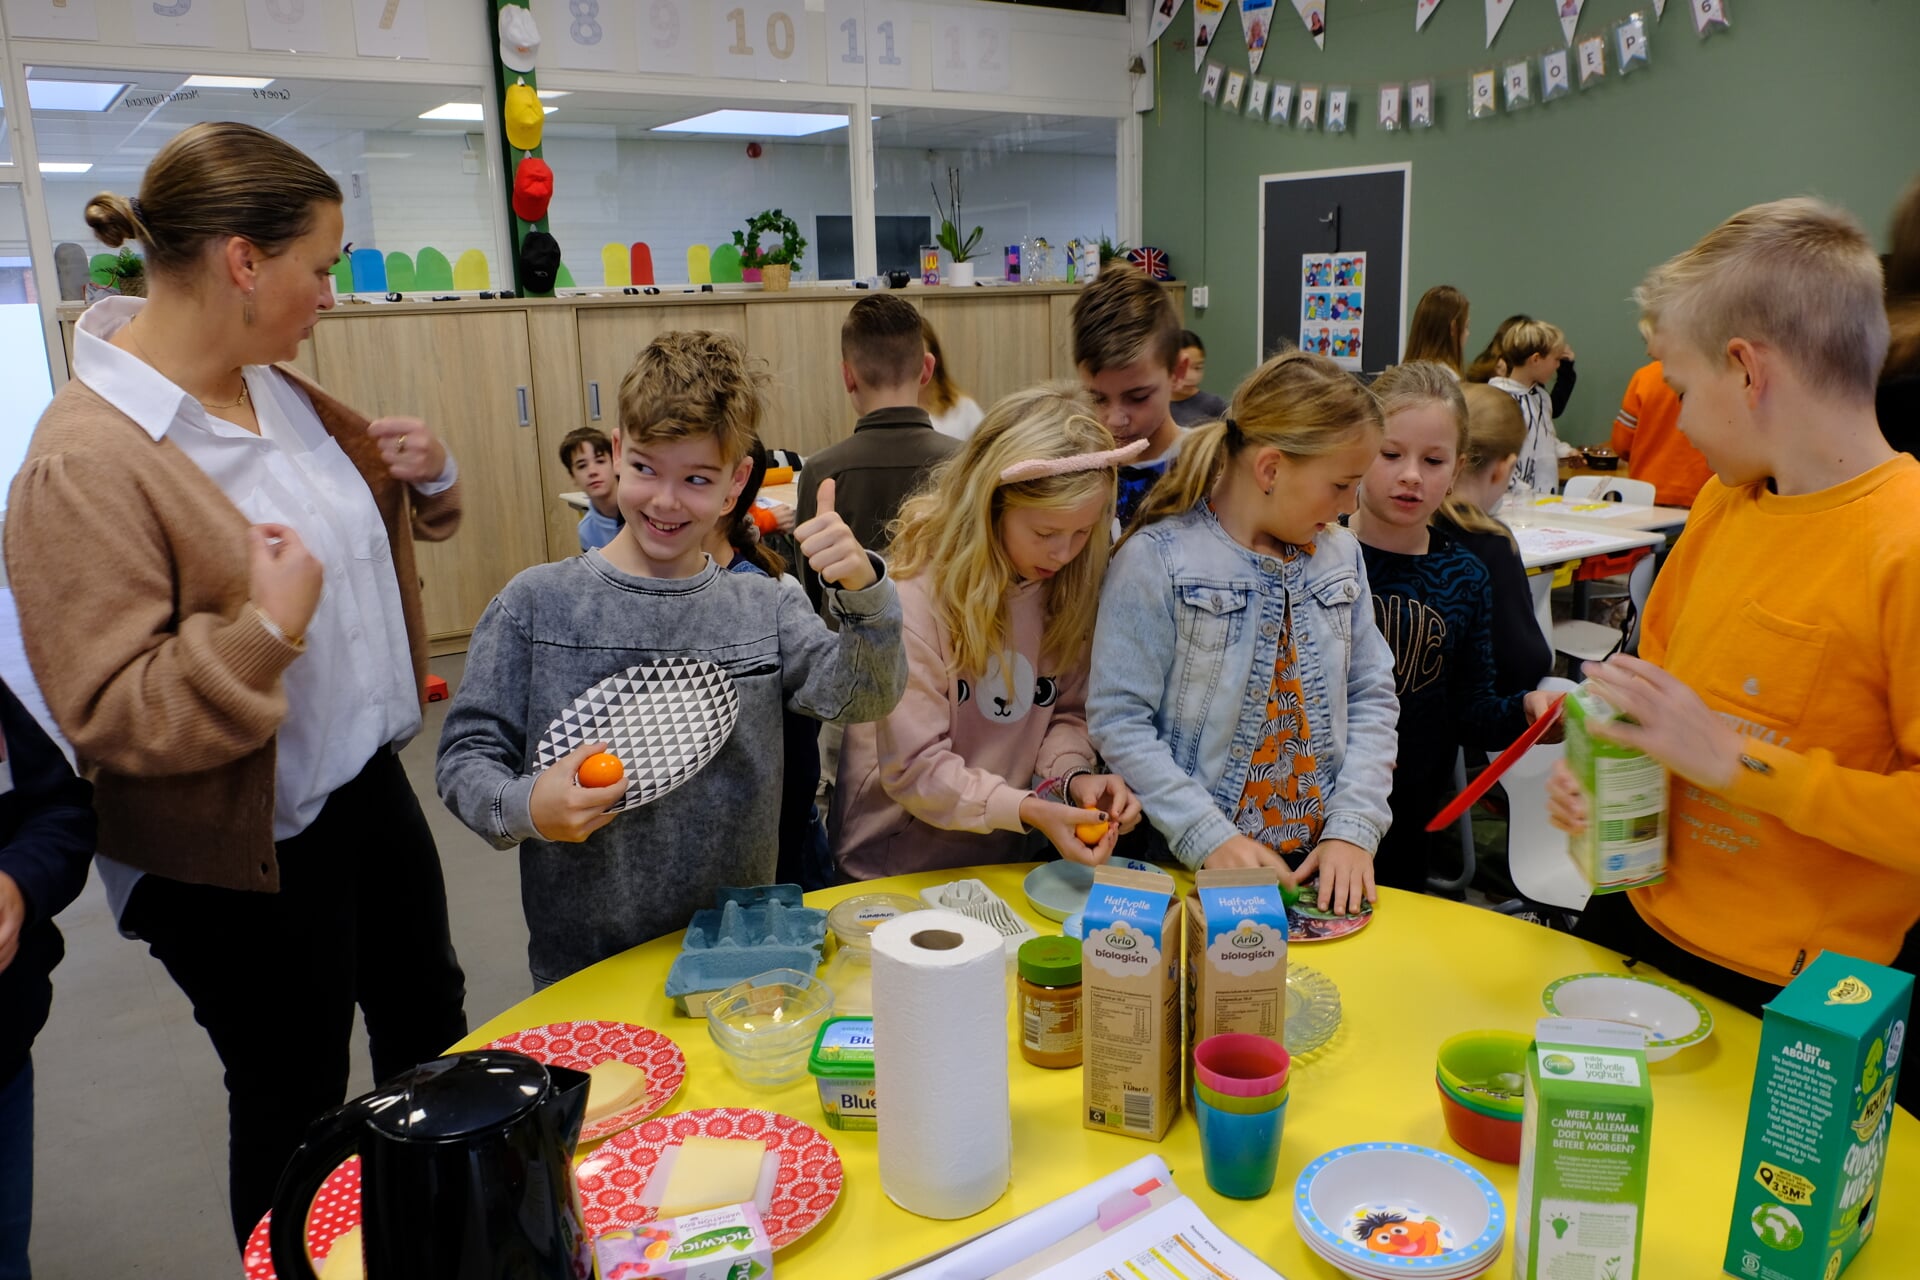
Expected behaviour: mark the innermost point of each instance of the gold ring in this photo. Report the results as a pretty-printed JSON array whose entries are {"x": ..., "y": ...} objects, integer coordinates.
[{"x": 401, "y": 445}]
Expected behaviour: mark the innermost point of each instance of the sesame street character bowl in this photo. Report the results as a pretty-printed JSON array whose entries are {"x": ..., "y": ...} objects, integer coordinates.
[{"x": 1378, "y": 1209}]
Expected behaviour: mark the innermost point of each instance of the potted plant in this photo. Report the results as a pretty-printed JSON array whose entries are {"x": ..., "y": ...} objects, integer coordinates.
[
  {"x": 129, "y": 274},
  {"x": 961, "y": 251},
  {"x": 776, "y": 262},
  {"x": 1109, "y": 249}
]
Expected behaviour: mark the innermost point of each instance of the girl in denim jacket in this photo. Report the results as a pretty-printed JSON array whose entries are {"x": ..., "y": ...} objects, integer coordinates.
[{"x": 1239, "y": 682}]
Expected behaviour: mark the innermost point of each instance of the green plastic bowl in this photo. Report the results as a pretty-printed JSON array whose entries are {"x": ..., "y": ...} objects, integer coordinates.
[{"x": 1470, "y": 1066}]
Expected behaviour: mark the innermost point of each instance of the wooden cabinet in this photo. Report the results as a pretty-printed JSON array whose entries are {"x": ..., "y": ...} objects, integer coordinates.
[
  {"x": 994, "y": 345},
  {"x": 470, "y": 376},
  {"x": 807, "y": 404},
  {"x": 611, "y": 336}
]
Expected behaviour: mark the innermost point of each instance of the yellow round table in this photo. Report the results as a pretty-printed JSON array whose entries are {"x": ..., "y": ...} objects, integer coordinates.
[{"x": 1423, "y": 970}]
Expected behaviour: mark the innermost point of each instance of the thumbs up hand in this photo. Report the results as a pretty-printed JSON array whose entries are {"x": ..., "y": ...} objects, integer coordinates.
[{"x": 830, "y": 547}]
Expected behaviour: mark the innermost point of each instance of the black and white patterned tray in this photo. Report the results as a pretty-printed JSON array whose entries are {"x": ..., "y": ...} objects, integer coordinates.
[{"x": 664, "y": 720}]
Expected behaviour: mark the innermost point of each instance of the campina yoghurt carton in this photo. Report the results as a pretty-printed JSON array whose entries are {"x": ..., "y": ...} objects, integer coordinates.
[
  {"x": 1819, "y": 1121},
  {"x": 1130, "y": 986}
]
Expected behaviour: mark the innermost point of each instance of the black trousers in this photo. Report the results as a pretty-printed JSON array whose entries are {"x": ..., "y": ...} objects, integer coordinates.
[
  {"x": 360, "y": 919},
  {"x": 1611, "y": 921}
]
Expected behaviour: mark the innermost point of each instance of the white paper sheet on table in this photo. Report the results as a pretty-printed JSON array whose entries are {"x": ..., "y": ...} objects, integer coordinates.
[
  {"x": 1175, "y": 1227},
  {"x": 1592, "y": 510},
  {"x": 1551, "y": 544}
]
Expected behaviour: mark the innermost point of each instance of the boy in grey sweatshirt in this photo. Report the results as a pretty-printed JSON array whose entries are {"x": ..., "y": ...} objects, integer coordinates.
[{"x": 594, "y": 883}]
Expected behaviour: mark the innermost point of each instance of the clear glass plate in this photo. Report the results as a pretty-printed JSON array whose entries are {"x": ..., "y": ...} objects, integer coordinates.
[{"x": 1313, "y": 1010}]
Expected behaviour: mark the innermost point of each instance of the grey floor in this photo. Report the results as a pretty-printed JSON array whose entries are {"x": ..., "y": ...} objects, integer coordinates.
[{"x": 130, "y": 1164}]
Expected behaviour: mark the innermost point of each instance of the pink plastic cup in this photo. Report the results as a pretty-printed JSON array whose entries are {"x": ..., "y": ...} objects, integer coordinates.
[{"x": 1240, "y": 1065}]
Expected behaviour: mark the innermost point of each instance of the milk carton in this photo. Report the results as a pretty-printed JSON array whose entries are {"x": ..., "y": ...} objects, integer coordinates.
[
  {"x": 1583, "y": 1152},
  {"x": 1819, "y": 1120},
  {"x": 1624, "y": 845},
  {"x": 1130, "y": 983},
  {"x": 1237, "y": 954}
]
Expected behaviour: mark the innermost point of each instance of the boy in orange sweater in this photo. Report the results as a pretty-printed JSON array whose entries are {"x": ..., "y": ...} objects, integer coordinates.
[
  {"x": 1777, "y": 676},
  {"x": 1646, "y": 435}
]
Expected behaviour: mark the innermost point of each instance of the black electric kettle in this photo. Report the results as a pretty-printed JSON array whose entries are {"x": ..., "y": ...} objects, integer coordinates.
[{"x": 466, "y": 1173}]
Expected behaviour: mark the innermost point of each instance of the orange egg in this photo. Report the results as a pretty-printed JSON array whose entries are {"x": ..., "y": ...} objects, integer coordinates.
[
  {"x": 601, "y": 770},
  {"x": 1091, "y": 832}
]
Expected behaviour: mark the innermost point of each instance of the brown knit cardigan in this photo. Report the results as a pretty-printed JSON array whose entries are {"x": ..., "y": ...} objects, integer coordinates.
[{"x": 130, "y": 569}]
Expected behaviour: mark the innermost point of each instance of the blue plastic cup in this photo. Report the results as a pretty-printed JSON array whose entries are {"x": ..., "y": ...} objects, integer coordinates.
[{"x": 1240, "y": 1152}]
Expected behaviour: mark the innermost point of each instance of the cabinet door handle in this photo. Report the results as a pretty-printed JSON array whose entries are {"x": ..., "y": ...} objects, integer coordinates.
[
  {"x": 526, "y": 417},
  {"x": 593, "y": 401}
]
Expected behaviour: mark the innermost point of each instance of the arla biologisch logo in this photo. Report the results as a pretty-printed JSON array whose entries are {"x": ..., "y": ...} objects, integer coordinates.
[
  {"x": 1124, "y": 950},
  {"x": 1249, "y": 948}
]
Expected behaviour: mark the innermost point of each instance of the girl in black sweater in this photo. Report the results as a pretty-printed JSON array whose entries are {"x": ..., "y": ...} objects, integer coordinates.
[{"x": 1434, "y": 602}]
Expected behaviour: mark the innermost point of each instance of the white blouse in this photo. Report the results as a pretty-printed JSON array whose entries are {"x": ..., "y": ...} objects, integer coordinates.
[{"x": 352, "y": 692}]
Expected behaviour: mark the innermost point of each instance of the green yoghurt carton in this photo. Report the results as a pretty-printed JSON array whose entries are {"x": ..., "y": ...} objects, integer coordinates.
[
  {"x": 1624, "y": 845},
  {"x": 1584, "y": 1142},
  {"x": 1819, "y": 1120}
]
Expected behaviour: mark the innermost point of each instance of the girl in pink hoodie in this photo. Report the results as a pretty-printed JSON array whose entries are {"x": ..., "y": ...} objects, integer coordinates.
[{"x": 998, "y": 562}]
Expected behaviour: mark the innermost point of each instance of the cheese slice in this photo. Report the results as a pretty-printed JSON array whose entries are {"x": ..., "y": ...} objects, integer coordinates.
[
  {"x": 343, "y": 1258},
  {"x": 711, "y": 1172},
  {"x": 612, "y": 1087}
]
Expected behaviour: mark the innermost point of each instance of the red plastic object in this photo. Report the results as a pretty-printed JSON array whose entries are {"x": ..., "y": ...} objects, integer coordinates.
[
  {"x": 1482, "y": 1135},
  {"x": 763, "y": 520},
  {"x": 640, "y": 263},
  {"x": 1484, "y": 783},
  {"x": 1240, "y": 1065},
  {"x": 436, "y": 689},
  {"x": 1613, "y": 566}
]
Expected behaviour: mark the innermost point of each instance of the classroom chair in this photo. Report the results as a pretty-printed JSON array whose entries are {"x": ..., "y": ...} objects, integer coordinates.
[
  {"x": 640, "y": 263},
  {"x": 1595, "y": 642},
  {"x": 699, "y": 265},
  {"x": 369, "y": 271},
  {"x": 724, "y": 266},
  {"x": 71, "y": 268},
  {"x": 432, "y": 272},
  {"x": 1604, "y": 488},
  {"x": 470, "y": 272},
  {"x": 616, "y": 268},
  {"x": 1551, "y": 885},
  {"x": 400, "y": 274}
]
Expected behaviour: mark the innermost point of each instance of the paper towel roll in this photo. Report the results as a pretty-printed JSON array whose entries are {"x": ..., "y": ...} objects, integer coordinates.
[{"x": 940, "y": 1063}]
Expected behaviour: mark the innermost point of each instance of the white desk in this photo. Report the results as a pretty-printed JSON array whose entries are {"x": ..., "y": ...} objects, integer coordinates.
[
  {"x": 1563, "y": 539},
  {"x": 1619, "y": 515}
]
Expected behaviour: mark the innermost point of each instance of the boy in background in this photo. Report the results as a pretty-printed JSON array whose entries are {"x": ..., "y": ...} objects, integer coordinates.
[
  {"x": 1532, "y": 351},
  {"x": 1776, "y": 678},
  {"x": 884, "y": 363},
  {"x": 1646, "y": 435},
  {"x": 1191, "y": 406},
  {"x": 1126, "y": 345},
  {"x": 588, "y": 458},
  {"x": 594, "y": 883}
]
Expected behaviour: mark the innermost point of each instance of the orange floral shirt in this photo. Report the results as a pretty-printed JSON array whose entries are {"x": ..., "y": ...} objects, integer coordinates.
[{"x": 1282, "y": 805}]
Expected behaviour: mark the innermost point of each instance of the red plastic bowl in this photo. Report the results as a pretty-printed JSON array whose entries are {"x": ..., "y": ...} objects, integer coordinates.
[{"x": 1481, "y": 1134}]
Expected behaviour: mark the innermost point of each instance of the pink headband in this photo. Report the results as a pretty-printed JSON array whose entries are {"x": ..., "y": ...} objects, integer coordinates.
[{"x": 1039, "y": 467}]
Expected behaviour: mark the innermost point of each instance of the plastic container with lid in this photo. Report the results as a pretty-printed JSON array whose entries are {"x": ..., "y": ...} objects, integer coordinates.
[
  {"x": 852, "y": 922},
  {"x": 842, "y": 1067},
  {"x": 1050, "y": 1025}
]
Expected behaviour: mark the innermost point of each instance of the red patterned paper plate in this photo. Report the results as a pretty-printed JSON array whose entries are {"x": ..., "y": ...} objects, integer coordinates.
[
  {"x": 335, "y": 1209},
  {"x": 612, "y": 1179},
  {"x": 584, "y": 1045}
]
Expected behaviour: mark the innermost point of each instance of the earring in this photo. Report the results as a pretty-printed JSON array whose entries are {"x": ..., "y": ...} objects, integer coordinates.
[
  {"x": 246, "y": 309},
  {"x": 1269, "y": 491}
]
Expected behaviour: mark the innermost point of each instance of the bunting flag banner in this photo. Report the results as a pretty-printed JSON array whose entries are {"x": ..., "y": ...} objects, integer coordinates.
[
  {"x": 1659, "y": 9},
  {"x": 1709, "y": 17},
  {"x": 1256, "y": 20},
  {"x": 1630, "y": 44},
  {"x": 1206, "y": 25},
  {"x": 1593, "y": 59},
  {"x": 1422, "y": 10},
  {"x": 1569, "y": 16},
  {"x": 1162, "y": 17},
  {"x": 1497, "y": 11},
  {"x": 1314, "y": 14}
]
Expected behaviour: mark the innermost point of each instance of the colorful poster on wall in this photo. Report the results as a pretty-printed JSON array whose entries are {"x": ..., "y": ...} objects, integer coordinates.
[
  {"x": 392, "y": 29},
  {"x": 1497, "y": 11},
  {"x": 584, "y": 35},
  {"x": 1569, "y": 16},
  {"x": 1422, "y": 10},
  {"x": 1314, "y": 14},
  {"x": 1206, "y": 25},
  {"x": 1164, "y": 12},
  {"x": 1256, "y": 20},
  {"x": 1333, "y": 292},
  {"x": 180, "y": 22},
  {"x": 295, "y": 26},
  {"x": 52, "y": 19}
]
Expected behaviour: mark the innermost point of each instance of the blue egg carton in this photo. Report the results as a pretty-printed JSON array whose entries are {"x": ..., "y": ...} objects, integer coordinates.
[{"x": 747, "y": 932}]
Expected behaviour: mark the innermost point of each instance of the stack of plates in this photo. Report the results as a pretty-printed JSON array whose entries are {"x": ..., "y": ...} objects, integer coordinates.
[{"x": 1393, "y": 1211}]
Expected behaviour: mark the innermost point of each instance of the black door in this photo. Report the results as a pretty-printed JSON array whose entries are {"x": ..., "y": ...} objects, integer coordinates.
[{"x": 1338, "y": 213}]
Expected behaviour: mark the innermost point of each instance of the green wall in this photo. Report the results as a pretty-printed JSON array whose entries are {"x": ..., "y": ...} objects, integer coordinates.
[{"x": 1557, "y": 210}]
